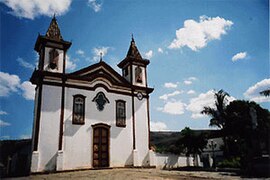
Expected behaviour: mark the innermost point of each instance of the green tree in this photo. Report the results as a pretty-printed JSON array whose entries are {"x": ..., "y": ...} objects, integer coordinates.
[
  {"x": 218, "y": 112},
  {"x": 193, "y": 143},
  {"x": 247, "y": 135}
]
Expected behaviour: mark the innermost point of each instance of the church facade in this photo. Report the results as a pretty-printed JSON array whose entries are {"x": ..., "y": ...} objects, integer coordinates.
[{"x": 90, "y": 118}]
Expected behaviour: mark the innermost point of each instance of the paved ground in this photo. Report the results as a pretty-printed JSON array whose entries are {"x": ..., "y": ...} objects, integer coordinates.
[{"x": 133, "y": 174}]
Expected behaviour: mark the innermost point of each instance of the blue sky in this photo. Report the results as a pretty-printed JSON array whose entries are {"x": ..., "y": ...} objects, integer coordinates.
[{"x": 195, "y": 47}]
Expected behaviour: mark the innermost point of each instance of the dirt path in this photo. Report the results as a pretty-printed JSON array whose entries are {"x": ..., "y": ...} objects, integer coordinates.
[{"x": 131, "y": 174}]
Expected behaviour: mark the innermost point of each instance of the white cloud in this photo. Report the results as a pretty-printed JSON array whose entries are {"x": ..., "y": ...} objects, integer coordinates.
[
  {"x": 11, "y": 83},
  {"x": 160, "y": 50},
  {"x": 253, "y": 92},
  {"x": 25, "y": 64},
  {"x": 70, "y": 65},
  {"x": 80, "y": 52},
  {"x": 4, "y": 137},
  {"x": 158, "y": 126},
  {"x": 149, "y": 54},
  {"x": 187, "y": 82},
  {"x": 192, "y": 78},
  {"x": 166, "y": 96},
  {"x": 94, "y": 5},
  {"x": 197, "y": 104},
  {"x": 238, "y": 56},
  {"x": 170, "y": 85},
  {"x": 34, "y": 8},
  {"x": 8, "y": 83},
  {"x": 25, "y": 136},
  {"x": 97, "y": 52},
  {"x": 174, "y": 108},
  {"x": 3, "y": 123},
  {"x": 28, "y": 90},
  {"x": 191, "y": 92},
  {"x": 36, "y": 59},
  {"x": 3, "y": 113},
  {"x": 196, "y": 35}
]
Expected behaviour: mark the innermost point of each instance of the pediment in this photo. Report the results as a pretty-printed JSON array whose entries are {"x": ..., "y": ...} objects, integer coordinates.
[{"x": 99, "y": 70}]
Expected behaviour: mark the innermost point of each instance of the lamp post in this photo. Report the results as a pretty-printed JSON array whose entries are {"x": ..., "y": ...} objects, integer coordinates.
[{"x": 213, "y": 145}]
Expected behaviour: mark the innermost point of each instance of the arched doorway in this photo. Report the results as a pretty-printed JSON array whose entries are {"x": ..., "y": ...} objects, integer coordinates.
[{"x": 101, "y": 137}]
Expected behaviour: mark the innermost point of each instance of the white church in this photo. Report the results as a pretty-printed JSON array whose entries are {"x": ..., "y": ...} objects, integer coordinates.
[{"x": 90, "y": 118}]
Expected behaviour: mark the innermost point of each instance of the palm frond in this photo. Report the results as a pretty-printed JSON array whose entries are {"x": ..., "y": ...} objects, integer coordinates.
[{"x": 265, "y": 92}]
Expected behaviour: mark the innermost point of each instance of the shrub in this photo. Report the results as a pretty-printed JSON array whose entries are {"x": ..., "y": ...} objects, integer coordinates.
[{"x": 230, "y": 163}]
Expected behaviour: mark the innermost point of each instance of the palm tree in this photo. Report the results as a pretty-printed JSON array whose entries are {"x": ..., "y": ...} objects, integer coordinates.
[
  {"x": 218, "y": 113},
  {"x": 193, "y": 143}
]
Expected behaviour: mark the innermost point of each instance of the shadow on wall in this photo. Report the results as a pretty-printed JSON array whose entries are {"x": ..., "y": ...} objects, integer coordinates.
[
  {"x": 70, "y": 129},
  {"x": 51, "y": 165},
  {"x": 170, "y": 162},
  {"x": 50, "y": 98},
  {"x": 115, "y": 131},
  {"x": 129, "y": 161},
  {"x": 146, "y": 162}
]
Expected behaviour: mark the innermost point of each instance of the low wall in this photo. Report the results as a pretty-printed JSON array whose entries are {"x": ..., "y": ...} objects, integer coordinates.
[{"x": 169, "y": 161}]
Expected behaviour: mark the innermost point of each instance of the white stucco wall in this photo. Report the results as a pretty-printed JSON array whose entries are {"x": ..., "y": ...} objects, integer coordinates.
[
  {"x": 141, "y": 131},
  {"x": 77, "y": 144},
  {"x": 168, "y": 161},
  {"x": 49, "y": 127},
  {"x": 60, "y": 61},
  {"x": 77, "y": 139}
]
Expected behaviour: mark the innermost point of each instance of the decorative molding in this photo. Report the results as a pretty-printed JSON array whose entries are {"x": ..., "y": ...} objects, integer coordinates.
[
  {"x": 101, "y": 125},
  {"x": 100, "y": 100}
]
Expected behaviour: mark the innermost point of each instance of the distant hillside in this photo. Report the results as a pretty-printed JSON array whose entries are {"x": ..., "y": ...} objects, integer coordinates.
[
  {"x": 164, "y": 138},
  {"x": 164, "y": 141},
  {"x": 15, "y": 157}
]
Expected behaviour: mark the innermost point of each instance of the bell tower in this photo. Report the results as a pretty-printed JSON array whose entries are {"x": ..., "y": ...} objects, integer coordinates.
[
  {"x": 52, "y": 49},
  {"x": 134, "y": 66}
]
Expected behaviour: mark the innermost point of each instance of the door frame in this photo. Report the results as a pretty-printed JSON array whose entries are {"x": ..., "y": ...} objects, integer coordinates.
[{"x": 106, "y": 126}]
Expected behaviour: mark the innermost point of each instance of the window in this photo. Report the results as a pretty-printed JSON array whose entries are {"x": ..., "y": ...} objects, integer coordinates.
[
  {"x": 78, "y": 109},
  {"x": 54, "y": 56},
  {"x": 138, "y": 74},
  {"x": 120, "y": 113}
]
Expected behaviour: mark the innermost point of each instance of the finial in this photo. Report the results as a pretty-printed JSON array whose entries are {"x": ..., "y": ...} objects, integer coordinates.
[
  {"x": 54, "y": 16},
  {"x": 132, "y": 38},
  {"x": 100, "y": 57}
]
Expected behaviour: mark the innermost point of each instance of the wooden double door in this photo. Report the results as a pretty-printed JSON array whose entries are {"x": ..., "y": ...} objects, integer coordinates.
[{"x": 101, "y": 136}]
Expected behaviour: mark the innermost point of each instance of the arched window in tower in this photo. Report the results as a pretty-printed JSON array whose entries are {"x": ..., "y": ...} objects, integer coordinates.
[
  {"x": 120, "y": 113},
  {"x": 138, "y": 74},
  {"x": 54, "y": 57},
  {"x": 78, "y": 109}
]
